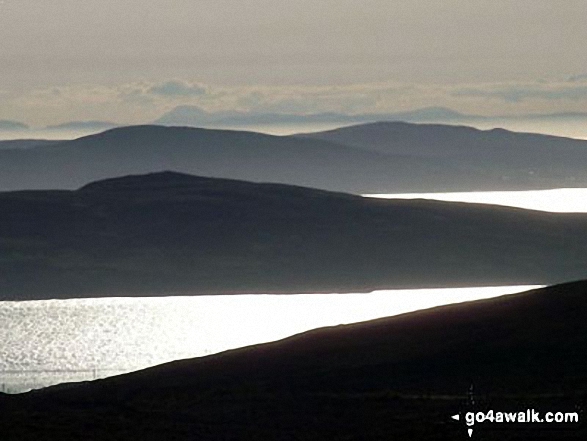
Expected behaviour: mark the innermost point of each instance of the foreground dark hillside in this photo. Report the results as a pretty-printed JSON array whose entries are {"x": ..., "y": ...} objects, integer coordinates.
[
  {"x": 370, "y": 158},
  {"x": 393, "y": 378},
  {"x": 170, "y": 233}
]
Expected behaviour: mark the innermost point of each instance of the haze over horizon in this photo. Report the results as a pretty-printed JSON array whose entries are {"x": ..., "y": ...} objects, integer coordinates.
[
  {"x": 132, "y": 62},
  {"x": 138, "y": 159}
]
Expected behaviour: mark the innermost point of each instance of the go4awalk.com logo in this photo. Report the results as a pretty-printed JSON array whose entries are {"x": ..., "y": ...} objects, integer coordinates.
[
  {"x": 528, "y": 416},
  {"x": 479, "y": 412}
]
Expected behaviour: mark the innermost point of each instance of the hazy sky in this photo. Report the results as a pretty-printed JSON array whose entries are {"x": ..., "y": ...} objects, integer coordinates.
[{"x": 130, "y": 60}]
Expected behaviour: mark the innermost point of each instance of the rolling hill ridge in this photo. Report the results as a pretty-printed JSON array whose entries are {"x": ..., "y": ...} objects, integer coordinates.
[
  {"x": 171, "y": 233},
  {"x": 371, "y": 158}
]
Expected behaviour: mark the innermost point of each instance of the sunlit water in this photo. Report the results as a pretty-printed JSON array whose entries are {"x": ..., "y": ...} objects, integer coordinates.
[
  {"x": 52, "y": 341},
  {"x": 556, "y": 200},
  {"x": 49, "y": 342}
]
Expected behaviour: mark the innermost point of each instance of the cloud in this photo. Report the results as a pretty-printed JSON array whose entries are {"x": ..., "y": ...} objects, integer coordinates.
[
  {"x": 178, "y": 88},
  {"x": 577, "y": 78},
  {"x": 350, "y": 99},
  {"x": 518, "y": 94},
  {"x": 145, "y": 101}
]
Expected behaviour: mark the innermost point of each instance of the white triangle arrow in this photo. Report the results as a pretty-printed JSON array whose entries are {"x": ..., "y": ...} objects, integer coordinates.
[
  {"x": 470, "y": 432},
  {"x": 456, "y": 417}
]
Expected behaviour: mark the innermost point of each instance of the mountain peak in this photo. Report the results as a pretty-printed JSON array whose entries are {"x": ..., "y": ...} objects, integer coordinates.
[{"x": 150, "y": 181}]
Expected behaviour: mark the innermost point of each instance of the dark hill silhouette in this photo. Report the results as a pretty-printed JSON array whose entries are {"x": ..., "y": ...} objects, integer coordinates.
[
  {"x": 509, "y": 156},
  {"x": 170, "y": 233},
  {"x": 393, "y": 378},
  {"x": 440, "y": 140},
  {"x": 363, "y": 159}
]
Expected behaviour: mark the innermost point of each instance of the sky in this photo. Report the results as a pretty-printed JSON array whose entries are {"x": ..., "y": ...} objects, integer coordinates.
[{"x": 129, "y": 61}]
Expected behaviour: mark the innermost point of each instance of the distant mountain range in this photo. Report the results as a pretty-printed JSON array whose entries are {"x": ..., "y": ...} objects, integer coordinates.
[
  {"x": 370, "y": 158},
  {"x": 170, "y": 233},
  {"x": 195, "y": 116},
  {"x": 84, "y": 126},
  {"x": 12, "y": 130},
  {"x": 571, "y": 124},
  {"x": 229, "y": 154},
  {"x": 401, "y": 377}
]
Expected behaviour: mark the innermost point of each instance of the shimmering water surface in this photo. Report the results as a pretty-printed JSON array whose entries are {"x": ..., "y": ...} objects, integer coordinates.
[
  {"x": 48, "y": 342},
  {"x": 52, "y": 341},
  {"x": 559, "y": 200}
]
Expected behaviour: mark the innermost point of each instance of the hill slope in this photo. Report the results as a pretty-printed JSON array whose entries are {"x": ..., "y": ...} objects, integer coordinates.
[
  {"x": 167, "y": 233},
  {"x": 509, "y": 156},
  {"x": 393, "y": 378}
]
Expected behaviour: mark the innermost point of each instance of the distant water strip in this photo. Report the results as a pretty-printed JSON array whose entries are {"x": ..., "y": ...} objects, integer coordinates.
[{"x": 560, "y": 200}]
